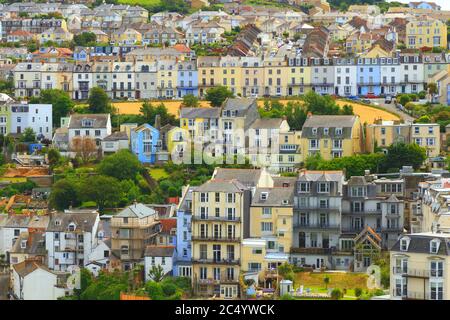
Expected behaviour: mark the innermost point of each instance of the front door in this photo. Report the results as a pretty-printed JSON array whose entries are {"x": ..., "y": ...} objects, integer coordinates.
[{"x": 228, "y": 292}]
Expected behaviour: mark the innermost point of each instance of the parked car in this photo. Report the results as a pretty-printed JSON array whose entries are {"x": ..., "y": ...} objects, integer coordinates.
[
  {"x": 371, "y": 96},
  {"x": 365, "y": 101},
  {"x": 388, "y": 99}
]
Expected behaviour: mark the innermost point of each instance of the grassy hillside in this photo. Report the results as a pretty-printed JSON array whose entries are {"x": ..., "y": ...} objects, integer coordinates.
[{"x": 142, "y": 3}]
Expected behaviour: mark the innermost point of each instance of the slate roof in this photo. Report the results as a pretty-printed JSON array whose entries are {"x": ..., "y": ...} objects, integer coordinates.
[
  {"x": 248, "y": 177},
  {"x": 137, "y": 210},
  {"x": 116, "y": 136},
  {"x": 420, "y": 243},
  {"x": 35, "y": 244},
  {"x": 216, "y": 185},
  {"x": 238, "y": 104},
  {"x": 100, "y": 120},
  {"x": 276, "y": 197},
  {"x": 159, "y": 251},
  {"x": 193, "y": 113},
  {"x": 313, "y": 175},
  {"x": 26, "y": 267},
  {"x": 330, "y": 122},
  {"x": 84, "y": 221},
  {"x": 267, "y": 123}
]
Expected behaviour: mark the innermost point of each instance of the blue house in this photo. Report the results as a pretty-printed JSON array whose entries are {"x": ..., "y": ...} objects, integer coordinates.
[
  {"x": 368, "y": 77},
  {"x": 183, "y": 267},
  {"x": 145, "y": 143},
  {"x": 187, "y": 82},
  {"x": 81, "y": 54}
]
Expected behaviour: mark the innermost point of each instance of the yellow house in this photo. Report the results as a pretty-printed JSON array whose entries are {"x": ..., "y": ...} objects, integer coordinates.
[
  {"x": 420, "y": 267},
  {"x": 382, "y": 134},
  {"x": 218, "y": 210},
  {"x": 208, "y": 73},
  {"x": 58, "y": 35},
  {"x": 200, "y": 122},
  {"x": 427, "y": 135},
  {"x": 298, "y": 80},
  {"x": 331, "y": 136},
  {"x": 426, "y": 32},
  {"x": 178, "y": 143},
  {"x": 271, "y": 215},
  {"x": 230, "y": 74},
  {"x": 127, "y": 36},
  {"x": 276, "y": 74}
]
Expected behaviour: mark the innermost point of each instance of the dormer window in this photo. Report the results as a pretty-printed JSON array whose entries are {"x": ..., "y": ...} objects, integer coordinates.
[
  {"x": 338, "y": 131},
  {"x": 264, "y": 195},
  {"x": 23, "y": 244},
  {"x": 434, "y": 246},
  {"x": 325, "y": 131},
  {"x": 285, "y": 201},
  {"x": 303, "y": 187},
  {"x": 57, "y": 222},
  {"x": 314, "y": 131},
  {"x": 87, "y": 123},
  {"x": 72, "y": 227},
  {"x": 404, "y": 243},
  {"x": 323, "y": 187}
]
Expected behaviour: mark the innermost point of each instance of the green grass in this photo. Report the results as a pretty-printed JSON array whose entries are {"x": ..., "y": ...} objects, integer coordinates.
[
  {"x": 158, "y": 173},
  {"x": 88, "y": 204},
  {"x": 13, "y": 180}
]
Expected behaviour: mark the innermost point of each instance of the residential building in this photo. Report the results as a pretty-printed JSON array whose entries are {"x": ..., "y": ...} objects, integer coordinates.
[
  {"x": 331, "y": 136},
  {"x": 425, "y": 31},
  {"x": 159, "y": 255},
  {"x": 419, "y": 267},
  {"x": 132, "y": 230},
  {"x": 145, "y": 143},
  {"x": 70, "y": 238}
]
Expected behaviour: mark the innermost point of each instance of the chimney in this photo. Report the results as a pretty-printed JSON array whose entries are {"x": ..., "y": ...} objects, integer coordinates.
[
  {"x": 158, "y": 122},
  {"x": 309, "y": 114}
]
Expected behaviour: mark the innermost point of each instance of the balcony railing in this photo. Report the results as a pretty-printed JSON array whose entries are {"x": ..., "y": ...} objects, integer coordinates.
[
  {"x": 417, "y": 273},
  {"x": 216, "y": 261},
  {"x": 214, "y": 218},
  {"x": 364, "y": 212},
  {"x": 313, "y": 250},
  {"x": 317, "y": 225},
  {"x": 212, "y": 238}
]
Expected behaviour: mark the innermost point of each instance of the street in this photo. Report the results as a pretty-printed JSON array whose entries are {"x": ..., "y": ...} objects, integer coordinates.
[
  {"x": 4, "y": 283},
  {"x": 391, "y": 107}
]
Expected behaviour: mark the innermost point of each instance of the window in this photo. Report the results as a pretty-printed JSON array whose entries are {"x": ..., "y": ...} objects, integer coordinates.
[
  {"x": 217, "y": 197},
  {"x": 267, "y": 211},
  {"x": 203, "y": 273},
  {"x": 404, "y": 244},
  {"x": 203, "y": 197},
  {"x": 264, "y": 195},
  {"x": 304, "y": 187},
  {"x": 338, "y": 131},
  {"x": 266, "y": 226},
  {"x": 436, "y": 269},
  {"x": 323, "y": 187},
  {"x": 434, "y": 246},
  {"x": 436, "y": 290}
]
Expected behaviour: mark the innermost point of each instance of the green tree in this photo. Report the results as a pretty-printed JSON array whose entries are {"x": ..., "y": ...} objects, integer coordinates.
[
  {"x": 61, "y": 103},
  {"x": 149, "y": 113},
  {"x": 432, "y": 88},
  {"x": 98, "y": 101},
  {"x": 7, "y": 86},
  {"x": 121, "y": 165},
  {"x": 85, "y": 39},
  {"x": 64, "y": 194},
  {"x": 53, "y": 156},
  {"x": 156, "y": 273},
  {"x": 402, "y": 154},
  {"x": 190, "y": 101},
  {"x": 326, "y": 280},
  {"x": 104, "y": 190},
  {"x": 28, "y": 135},
  {"x": 217, "y": 95},
  {"x": 336, "y": 294}
]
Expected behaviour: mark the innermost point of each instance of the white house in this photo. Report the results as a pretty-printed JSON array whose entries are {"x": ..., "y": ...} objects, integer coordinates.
[
  {"x": 10, "y": 230},
  {"x": 115, "y": 142},
  {"x": 33, "y": 281},
  {"x": 35, "y": 116},
  {"x": 70, "y": 238},
  {"x": 101, "y": 253},
  {"x": 163, "y": 256}
]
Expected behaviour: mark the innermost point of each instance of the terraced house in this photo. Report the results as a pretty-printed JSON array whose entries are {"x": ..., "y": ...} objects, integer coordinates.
[
  {"x": 219, "y": 208},
  {"x": 331, "y": 136}
]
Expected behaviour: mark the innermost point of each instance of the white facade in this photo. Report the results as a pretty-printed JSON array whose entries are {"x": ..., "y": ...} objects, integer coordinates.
[
  {"x": 35, "y": 116},
  {"x": 345, "y": 80},
  {"x": 40, "y": 284},
  {"x": 165, "y": 262}
]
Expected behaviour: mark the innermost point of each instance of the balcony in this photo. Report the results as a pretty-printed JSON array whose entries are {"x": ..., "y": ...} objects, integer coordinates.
[
  {"x": 324, "y": 251},
  {"x": 362, "y": 213},
  {"x": 214, "y": 218},
  {"x": 317, "y": 225},
  {"x": 216, "y": 261},
  {"x": 216, "y": 239},
  {"x": 417, "y": 295},
  {"x": 416, "y": 273}
]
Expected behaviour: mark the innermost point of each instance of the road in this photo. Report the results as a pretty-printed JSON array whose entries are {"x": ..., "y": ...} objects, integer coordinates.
[
  {"x": 4, "y": 284},
  {"x": 391, "y": 107}
]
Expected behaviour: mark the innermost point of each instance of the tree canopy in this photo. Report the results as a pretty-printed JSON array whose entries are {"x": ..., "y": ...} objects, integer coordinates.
[
  {"x": 61, "y": 103},
  {"x": 98, "y": 101},
  {"x": 121, "y": 165},
  {"x": 217, "y": 95}
]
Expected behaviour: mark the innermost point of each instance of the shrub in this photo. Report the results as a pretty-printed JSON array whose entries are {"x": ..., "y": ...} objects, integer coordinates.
[
  {"x": 358, "y": 292},
  {"x": 168, "y": 289},
  {"x": 286, "y": 296},
  {"x": 336, "y": 294},
  {"x": 154, "y": 290}
]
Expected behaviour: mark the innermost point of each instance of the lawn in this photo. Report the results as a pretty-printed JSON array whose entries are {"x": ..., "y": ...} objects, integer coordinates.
[
  {"x": 158, "y": 173},
  {"x": 366, "y": 113},
  {"x": 314, "y": 280},
  {"x": 13, "y": 180}
]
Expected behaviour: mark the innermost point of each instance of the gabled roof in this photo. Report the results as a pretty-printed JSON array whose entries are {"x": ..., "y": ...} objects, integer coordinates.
[
  {"x": 168, "y": 224},
  {"x": 194, "y": 113},
  {"x": 137, "y": 210},
  {"x": 216, "y": 185},
  {"x": 267, "y": 123},
  {"x": 100, "y": 120},
  {"x": 159, "y": 251},
  {"x": 116, "y": 136},
  {"x": 26, "y": 267},
  {"x": 276, "y": 197},
  {"x": 83, "y": 220},
  {"x": 248, "y": 177}
]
